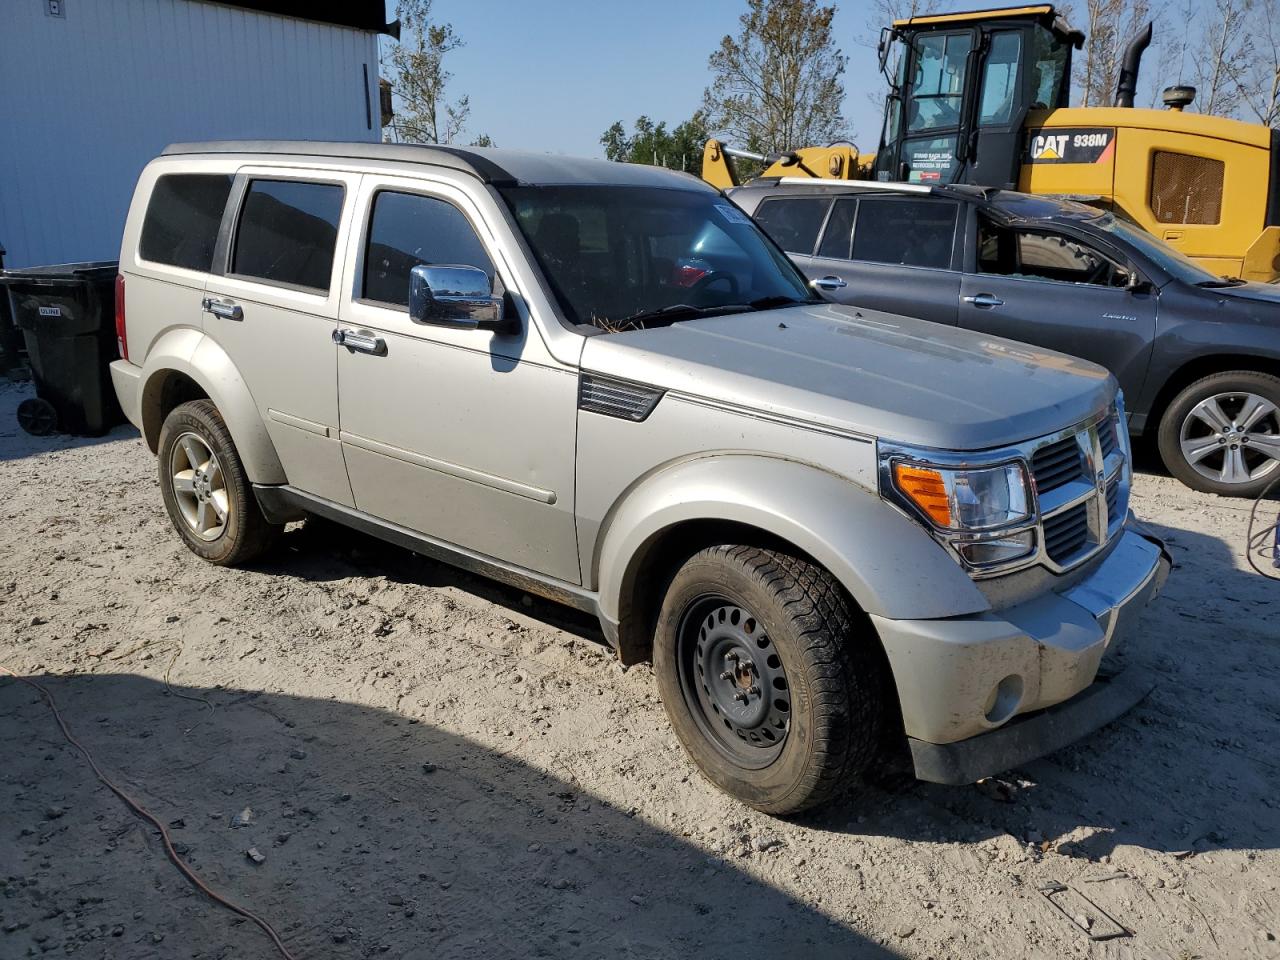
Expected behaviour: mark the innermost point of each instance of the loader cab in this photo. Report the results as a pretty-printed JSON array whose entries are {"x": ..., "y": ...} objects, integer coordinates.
[{"x": 960, "y": 89}]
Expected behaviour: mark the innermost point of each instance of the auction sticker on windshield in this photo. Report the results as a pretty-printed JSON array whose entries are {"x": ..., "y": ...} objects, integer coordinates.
[{"x": 732, "y": 214}]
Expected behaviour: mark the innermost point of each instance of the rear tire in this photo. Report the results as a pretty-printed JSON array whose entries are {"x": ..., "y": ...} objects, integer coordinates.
[
  {"x": 206, "y": 490},
  {"x": 1222, "y": 433},
  {"x": 739, "y": 619}
]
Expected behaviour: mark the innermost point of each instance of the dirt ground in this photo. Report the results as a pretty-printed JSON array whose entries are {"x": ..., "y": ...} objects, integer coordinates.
[{"x": 432, "y": 766}]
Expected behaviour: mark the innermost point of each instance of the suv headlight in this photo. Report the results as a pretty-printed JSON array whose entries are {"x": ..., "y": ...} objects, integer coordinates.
[{"x": 983, "y": 513}]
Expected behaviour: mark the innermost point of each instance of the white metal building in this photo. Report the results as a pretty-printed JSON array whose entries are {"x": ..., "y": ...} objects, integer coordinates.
[{"x": 90, "y": 90}]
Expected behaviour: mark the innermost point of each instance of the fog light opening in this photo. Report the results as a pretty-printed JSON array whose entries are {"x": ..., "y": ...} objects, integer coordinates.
[{"x": 1004, "y": 699}]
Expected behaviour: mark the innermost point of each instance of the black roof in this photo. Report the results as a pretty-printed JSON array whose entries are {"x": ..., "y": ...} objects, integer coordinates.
[
  {"x": 1009, "y": 204},
  {"x": 370, "y": 15}
]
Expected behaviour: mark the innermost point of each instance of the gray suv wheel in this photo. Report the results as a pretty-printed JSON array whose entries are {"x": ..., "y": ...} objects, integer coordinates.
[{"x": 1222, "y": 433}]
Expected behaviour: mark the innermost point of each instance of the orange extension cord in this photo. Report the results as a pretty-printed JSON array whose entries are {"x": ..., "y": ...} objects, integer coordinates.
[{"x": 147, "y": 815}]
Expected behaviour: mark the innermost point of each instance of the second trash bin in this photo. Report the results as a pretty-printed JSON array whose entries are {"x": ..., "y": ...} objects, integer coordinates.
[{"x": 67, "y": 316}]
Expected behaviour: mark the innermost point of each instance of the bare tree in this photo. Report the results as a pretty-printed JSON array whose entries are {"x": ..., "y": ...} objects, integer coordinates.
[
  {"x": 777, "y": 83},
  {"x": 1225, "y": 53},
  {"x": 1258, "y": 84},
  {"x": 1109, "y": 25},
  {"x": 419, "y": 78}
]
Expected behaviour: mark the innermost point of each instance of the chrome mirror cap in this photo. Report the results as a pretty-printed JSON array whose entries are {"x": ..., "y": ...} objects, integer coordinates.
[{"x": 453, "y": 296}]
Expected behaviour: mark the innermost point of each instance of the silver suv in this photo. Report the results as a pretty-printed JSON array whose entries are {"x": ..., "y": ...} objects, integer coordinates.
[{"x": 829, "y": 529}]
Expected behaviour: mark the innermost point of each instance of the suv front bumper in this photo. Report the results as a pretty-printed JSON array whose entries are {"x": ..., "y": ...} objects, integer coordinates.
[{"x": 984, "y": 693}]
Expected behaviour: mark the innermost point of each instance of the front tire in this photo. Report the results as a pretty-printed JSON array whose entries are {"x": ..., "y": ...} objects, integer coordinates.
[
  {"x": 1222, "y": 434},
  {"x": 206, "y": 490},
  {"x": 771, "y": 682}
]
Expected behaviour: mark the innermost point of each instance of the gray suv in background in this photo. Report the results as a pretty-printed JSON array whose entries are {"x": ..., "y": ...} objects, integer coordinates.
[
  {"x": 1198, "y": 356},
  {"x": 829, "y": 529}
]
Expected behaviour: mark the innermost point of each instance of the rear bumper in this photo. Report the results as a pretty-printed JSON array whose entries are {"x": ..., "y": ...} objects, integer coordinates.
[
  {"x": 126, "y": 377},
  {"x": 982, "y": 693}
]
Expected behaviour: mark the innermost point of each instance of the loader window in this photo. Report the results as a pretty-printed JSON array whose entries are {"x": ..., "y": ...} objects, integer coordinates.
[
  {"x": 937, "y": 86},
  {"x": 1050, "y": 61},
  {"x": 1000, "y": 79},
  {"x": 1186, "y": 188}
]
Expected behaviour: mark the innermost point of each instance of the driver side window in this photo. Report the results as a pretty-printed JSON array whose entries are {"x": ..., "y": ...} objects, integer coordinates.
[{"x": 1039, "y": 255}]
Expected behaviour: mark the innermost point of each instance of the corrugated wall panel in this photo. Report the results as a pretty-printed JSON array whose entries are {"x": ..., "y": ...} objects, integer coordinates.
[{"x": 87, "y": 100}]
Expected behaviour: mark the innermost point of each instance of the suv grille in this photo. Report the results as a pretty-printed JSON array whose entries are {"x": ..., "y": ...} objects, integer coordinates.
[
  {"x": 1107, "y": 437},
  {"x": 1056, "y": 464},
  {"x": 1065, "y": 533}
]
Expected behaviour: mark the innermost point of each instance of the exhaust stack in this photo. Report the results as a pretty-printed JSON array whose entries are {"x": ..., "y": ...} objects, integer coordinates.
[{"x": 1127, "y": 85}]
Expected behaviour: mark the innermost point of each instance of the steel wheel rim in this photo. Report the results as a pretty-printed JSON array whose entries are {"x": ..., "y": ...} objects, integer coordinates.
[
  {"x": 733, "y": 681},
  {"x": 1232, "y": 438},
  {"x": 199, "y": 487}
]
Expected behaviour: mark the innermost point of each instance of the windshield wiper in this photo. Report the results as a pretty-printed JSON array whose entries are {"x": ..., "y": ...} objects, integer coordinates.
[
  {"x": 681, "y": 311},
  {"x": 1224, "y": 282},
  {"x": 773, "y": 303}
]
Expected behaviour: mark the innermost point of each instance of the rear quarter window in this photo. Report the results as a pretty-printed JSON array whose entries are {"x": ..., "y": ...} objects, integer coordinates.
[
  {"x": 287, "y": 233},
  {"x": 180, "y": 228},
  {"x": 793, "y": 222}
]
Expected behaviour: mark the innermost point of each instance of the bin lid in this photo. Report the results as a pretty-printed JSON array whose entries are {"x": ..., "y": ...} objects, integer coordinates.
[{"x": 84, "y": 270}]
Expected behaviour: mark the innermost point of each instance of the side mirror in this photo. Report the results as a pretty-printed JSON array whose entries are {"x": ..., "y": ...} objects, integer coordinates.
[
  {"x": 1134, "y": 283},
  {"x": 455, "y": 296},
  {"x": 883, "y": 47}
]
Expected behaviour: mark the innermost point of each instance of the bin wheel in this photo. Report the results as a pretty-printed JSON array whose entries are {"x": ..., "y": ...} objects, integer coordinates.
[{"x": 37, "y": 417}]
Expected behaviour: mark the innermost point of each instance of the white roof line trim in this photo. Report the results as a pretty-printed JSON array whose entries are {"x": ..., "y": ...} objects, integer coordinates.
[{"x": 858, "y": 184}]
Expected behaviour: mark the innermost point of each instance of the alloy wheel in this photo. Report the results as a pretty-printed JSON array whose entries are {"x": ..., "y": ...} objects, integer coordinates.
[
  {"x": 1232, "y": 437},
  {"x": 199, "y": 487}
]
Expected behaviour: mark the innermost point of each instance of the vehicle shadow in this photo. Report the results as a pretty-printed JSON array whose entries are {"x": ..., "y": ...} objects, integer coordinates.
[
  {"x": 321, "y": 551},
  {"x": 16, "y": 443},
  {"x": 378, "y": 835},
  {"x": 1191, "y": 769}
]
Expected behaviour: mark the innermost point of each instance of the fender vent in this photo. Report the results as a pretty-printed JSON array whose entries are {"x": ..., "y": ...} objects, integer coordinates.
[{"x": 616, "y": 398}]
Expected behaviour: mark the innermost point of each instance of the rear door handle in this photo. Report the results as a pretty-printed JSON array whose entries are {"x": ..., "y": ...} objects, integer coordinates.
[
  {"x": 361, "y": 341},
  {"x": 830, "y": 283},
  {"x": 984, "y": 300},
  {"x": 223, "y": 308}
]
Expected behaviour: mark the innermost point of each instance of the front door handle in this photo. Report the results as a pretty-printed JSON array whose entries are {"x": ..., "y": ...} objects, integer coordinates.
[
  {"x": 830, "y": 283},
  {"x": 984, "y": 300},
  {"x": 223, "y": 308},
  {"x": 361, "y": 341}
]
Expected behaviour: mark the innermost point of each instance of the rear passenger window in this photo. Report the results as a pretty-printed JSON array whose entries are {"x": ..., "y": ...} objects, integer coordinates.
[
  {"x": 793, "y": 222},
  {"x": 287, "y": 233},
  {"x": 914, "y": 233},
  {"x": 839, "y": 232},
  {"x": 183, "y": 216},
  {"x": 406, "y": 230}
]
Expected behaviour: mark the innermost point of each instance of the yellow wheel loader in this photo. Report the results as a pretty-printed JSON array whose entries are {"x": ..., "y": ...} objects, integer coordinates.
[{"x": 982, "y": 98}]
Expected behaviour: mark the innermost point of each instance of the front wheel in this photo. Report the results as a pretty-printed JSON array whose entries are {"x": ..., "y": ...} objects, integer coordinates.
[
  {"x": 1222, "y": 434},
  {"x": 770, "y": 681}
]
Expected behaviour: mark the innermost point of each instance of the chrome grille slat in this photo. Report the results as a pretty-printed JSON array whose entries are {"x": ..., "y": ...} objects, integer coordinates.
[{"x": 1056, "y": 464}]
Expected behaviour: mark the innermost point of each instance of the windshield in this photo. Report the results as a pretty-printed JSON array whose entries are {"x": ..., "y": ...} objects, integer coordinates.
[
  {"x": 1177, "y": 265},
  {"x": 615, "y": 255}
]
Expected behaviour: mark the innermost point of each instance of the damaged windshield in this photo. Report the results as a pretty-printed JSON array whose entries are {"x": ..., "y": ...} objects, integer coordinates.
[{"x": 625, "y": 258}]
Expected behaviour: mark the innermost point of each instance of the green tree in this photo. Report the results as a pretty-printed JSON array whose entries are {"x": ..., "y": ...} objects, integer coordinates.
[
  {"x": 777, "y": 83},
  {"x": 679, "y": 149},
  {"x": 420, "y": 80}
]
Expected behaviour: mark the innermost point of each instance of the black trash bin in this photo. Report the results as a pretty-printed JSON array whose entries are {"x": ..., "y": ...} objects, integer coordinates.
[
  {"x": 66, "y": 313},
  {"x": 11, "y": 349}
]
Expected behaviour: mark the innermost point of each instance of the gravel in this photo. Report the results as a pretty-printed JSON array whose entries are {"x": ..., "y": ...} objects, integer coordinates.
[{"x": 559, "y": 817}]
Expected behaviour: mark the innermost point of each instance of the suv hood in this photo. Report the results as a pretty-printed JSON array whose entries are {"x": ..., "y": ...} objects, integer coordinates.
[{"x": 873, "y": 373}]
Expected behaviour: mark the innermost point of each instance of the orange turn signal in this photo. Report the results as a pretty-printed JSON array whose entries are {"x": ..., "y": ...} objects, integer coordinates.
[{"x": 926, "y": 489}]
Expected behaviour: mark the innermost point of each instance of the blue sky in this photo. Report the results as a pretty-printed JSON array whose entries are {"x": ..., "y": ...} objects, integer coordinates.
[{"x": 554, "y": 74}]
